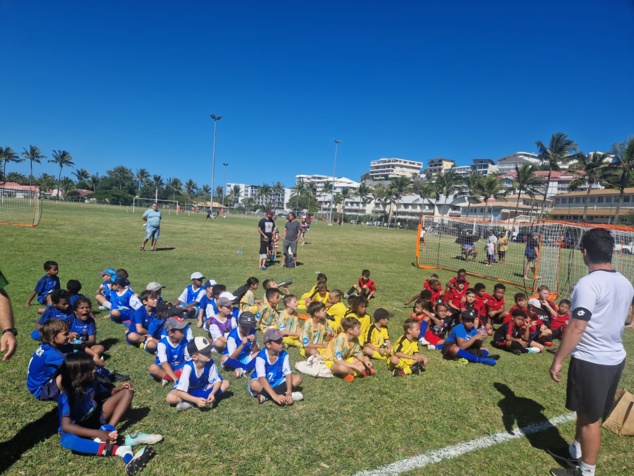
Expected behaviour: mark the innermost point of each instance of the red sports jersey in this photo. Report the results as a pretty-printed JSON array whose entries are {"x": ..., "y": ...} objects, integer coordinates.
[
  {"x": 509, "y": 315},
  {"x": 559, "y": 321},
  {"x": 480, "y": 303},
  {"x": 494, "y": 305},
  {"x": 369, "y": 283},
  {"x": 452, "y": 281},
  {"x": 455, "y": 297}
]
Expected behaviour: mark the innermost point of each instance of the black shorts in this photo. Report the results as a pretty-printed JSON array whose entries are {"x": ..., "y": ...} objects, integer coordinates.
[
  {"x": 591, "y": 388},
  {"x": 50, "y": 392},
  {"x": 264, "y": 247}
]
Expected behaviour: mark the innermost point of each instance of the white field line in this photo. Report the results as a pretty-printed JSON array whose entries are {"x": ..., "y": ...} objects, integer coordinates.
[{"x": 449, "y": 452}]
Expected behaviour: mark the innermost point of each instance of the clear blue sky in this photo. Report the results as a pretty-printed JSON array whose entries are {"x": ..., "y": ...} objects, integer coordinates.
[{"x": 133, "y": 82}]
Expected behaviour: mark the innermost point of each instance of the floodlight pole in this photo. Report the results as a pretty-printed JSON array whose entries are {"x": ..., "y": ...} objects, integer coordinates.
[
  {"x": 334, "y": 178},
  {"x": 224, "y": 190},
  {"x": 213, "y": 161}
]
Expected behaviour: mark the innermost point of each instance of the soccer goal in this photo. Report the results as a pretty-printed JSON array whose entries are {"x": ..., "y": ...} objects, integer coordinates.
[
  {"x": 142, "y": 204},
  {"x": 20, "y": 206},
  {"x": 453, "y": 243}
]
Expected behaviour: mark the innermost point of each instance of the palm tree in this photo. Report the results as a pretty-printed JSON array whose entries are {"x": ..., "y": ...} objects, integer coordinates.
[
  {"x": 345, "y": 194},
  {"x": 157, "y": 183},
  {"x": 67, "y": 185},
  {"x": 141, "y": 176},
  {"x": 298, "y": 189},
  {"x": 63, "y": 159},
  {"x": 425, "y": 190},
  {"x": 623, "y": 167},
  {"x": 175, "y": 185},
  {"x": 491, "y": 187},
  {"x": 278, "y": 189},
  {"x": 447, "y": 184},
  {"x": 94, "y": 181},
  {"x": 34, "y": 154},
  {"x": 365, "y": 194},
  {"x": 398, "y": 187},
  {"x": 311, "y": 189},
  {"x": 190, "y": 189},
  {"x": 205, "y": 191},
  {"x": 236, "y": 191},
  {"x": 45, "y": 182},
  {"x": 595, "y": 166},
  {"x": 122, "y": 176},
  {"x": 382, "y": 197},
  {"x": 265, "y": 193},
  {"x": 7, "y": 155},
  {"x": 337, "y": 200},
  {"x": 525, "y": 181},
  {"x": 82, "y": 176},
  {"x": 560, "y": 150},
  {"x": 470, "y": 186}
]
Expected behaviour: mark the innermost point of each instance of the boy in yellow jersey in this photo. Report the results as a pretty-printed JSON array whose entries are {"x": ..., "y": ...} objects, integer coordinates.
[
  {"x": 315, "y": 332},
  {"x": 269, "y": 314},
  {"x": 406, "y": 359},
  {"x": 377, "y": 342},
  {"x": 320, "y": 294},
  {"x": 358, "y": 305},
  {"x": 344, "y": 356},
  {"x": 289, "y": 323},
  {"x": 335, "y": 310}
]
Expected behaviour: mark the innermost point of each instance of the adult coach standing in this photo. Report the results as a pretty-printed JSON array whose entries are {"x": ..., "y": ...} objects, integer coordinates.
[
  {"x": 600, "y": 304},
  {"x": 8, "y": 343},
  {"x": 292, "y": 232},
  {"x": 153, "y": 228},
  {"x": 265, "y": 229}
]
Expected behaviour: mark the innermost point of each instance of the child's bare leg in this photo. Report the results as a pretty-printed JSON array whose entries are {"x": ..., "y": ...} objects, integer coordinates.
[
  {"x": 537, "y": 345},
  {"x": 296, "y": 380},
  {"x": 150, "y": 345},
  {"x": 220, "y": 343},
  {"x": 341, "y": 370},
  {"x": 98, "y": 349},
  {"x": 115, "y": 407},
  {"x": 156, "y": 371},
  {"x": 173, "y": 399},
  {"x": 136, "y": 338},
  {"x": 255, "y": 386}
]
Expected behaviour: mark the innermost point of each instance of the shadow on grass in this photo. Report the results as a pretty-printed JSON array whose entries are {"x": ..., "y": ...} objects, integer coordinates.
[
  {"x": 132, "y": 416},
  {"x": 109, "y": 342},
  {"x": 525, "y": 412},
  {"x": 35, "y": 432},
  {"x": 164, "y": 249}
]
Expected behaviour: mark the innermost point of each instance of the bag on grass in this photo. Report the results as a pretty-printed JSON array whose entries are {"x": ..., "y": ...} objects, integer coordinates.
[
  {"x": 621, "y": 420},
  {"x": 314, "y": 366}
]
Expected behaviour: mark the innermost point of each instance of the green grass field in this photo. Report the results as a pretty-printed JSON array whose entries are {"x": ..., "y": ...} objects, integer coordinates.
[{"x": 340, "y": 428}]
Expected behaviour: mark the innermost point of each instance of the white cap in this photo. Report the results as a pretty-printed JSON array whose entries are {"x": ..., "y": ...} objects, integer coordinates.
[
  {"x": 534, "y": 302},
  {"x": 197, "y": 275},
  {"x": 228, "y": 295},
  {"x": 154, "y": 286}
]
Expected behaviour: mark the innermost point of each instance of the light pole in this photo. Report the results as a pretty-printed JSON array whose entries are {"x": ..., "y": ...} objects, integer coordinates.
[
  {"x": 213, "y": 161},
  {"x": 334, "y": 178},
  {"x": 224, "y": 190}
]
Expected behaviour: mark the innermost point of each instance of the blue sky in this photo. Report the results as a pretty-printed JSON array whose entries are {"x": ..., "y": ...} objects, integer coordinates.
[{"x": 133, "y": 83}]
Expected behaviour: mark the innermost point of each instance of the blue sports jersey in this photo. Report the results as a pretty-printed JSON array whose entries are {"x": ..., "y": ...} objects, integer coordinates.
[
  {"x": 82, "y": 408},
  {"x": 189, "y": 381},
  {"x": 84, "y": 329},
  {"x": 46, "y": 285},
  {"x": 460, "y": 332},
  {"x": 125, "y": 300},
  {"x": 274, "y": 373},
  {"x": 155, "y": 327},
  {"x": 51, "y": 312},
  {"x": 174, "y": 354},
  {"x": 192, "y": 296},
  {"x": 142, "y": 317},
  {"x": 233, "y": 342},
  {"x": 74, "y": 298},
  {"x": 43, "y": 365}
]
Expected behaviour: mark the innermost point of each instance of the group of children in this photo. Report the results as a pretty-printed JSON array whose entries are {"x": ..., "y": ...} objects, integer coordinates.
[{"x": 69, "y": 367}]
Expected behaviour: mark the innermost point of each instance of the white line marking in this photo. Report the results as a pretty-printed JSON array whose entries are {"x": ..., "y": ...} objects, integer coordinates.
[{"x": 449, "y": 452}]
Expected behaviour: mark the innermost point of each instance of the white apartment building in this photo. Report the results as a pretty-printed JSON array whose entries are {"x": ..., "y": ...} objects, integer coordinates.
[
  {"x": 321, "y": 180},
  {"x": 277, "y": 199},
  {"x": 439, "y": 166},
  {"x": 392, "y": 167},
  {"x": 508, "y": 162},
  {"x": 483, "y": 166}
]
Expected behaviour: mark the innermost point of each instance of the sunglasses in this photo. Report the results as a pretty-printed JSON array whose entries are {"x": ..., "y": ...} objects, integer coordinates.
[{"x": 278, "y": 341}]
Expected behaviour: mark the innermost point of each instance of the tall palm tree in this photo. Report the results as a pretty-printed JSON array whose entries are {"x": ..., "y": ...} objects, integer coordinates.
[
  {"x": 205, "y": 190},
  {"x": 470, "y": 186},
  {"x": 365, "y": 194},
  {"x": 94, "y": 181},
  {"x": 7, "y": 155},
  {"x": 525, "y": 181},
  {"x": 67, "y": 185},
  {"x": 190, "y": 189},
  {"x": 383, "y": 197},
  {"x": 311, "y": 189},
  {"x": 491, "y": 188},
  {"x": 425, "y": 190},
  {"x": 623, "y": 167},
  {"x": 236, "y": 191},
  {"x": 157, "y": 183},
  {"x": 141, "y": 176},
  {"x": 276, "y": 190},
  {"x": 176, "y": 186},
  {"x": 398, "y": 187},
  {"x": 559, "y": 150},
  {"x": 63, "y": 159},
  {"x": 448, "y": 184},
  {"x": 45, "y": 182},
  {"x": 298, "y": 189},
  {"x": 82, "y": 176},
  {"x": 265, "y": 193},
  {"x": 595, "y": 166},
  {"x": 345, "y": 194},
  {"x": 34, "y": 154}
]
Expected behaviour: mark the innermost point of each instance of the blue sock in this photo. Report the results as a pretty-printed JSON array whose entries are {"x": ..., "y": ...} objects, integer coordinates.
[
  {"x": 424, "y": 325},
  {"x": 463, "y": 354},
  {"x": 485, "y": 353}
]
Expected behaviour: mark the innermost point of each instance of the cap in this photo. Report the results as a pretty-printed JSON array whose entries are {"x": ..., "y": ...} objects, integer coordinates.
[
  {"x": 228, "y": 295},
  {"x": 381, "y": 313},
  {"x": 108, "y": 271},
  {"x": 247, "y": 319},
  {"x": 175, "y": 311},
  {"x": 175, "y": 323},
  {"x": 269, "y": 212},
  {"x": 468, "y": 315},
  {"x": 119, "y": 280},
  {"x": 534, "y": 302},
  {"x": 272, "y": 334},
  {"x": 224, "y": 302},
  {"x": 199, "y": 345},
  {"x": 154, "y": 286},
  {"x": 161, "y": 307},
  {"x": 197, "y": 275},
  {"x": 209, "y": 283}
]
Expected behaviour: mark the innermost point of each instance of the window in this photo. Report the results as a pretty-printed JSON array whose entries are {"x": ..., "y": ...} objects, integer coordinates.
[
  {"x": 578, "y": 200},
  {"x": 600, "y": 199},
  {"x": 593, "y": 199},
  {"x": 608, "y": 199},
  {"x": 626, "y": 199}
]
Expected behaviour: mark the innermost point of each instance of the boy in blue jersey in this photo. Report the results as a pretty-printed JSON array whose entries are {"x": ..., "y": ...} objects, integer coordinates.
[
  {"x": 59, "y": 309},
  {"x": 207, "y": 303},
  {"x": 73, "y": 286},
  {"x": 103, "y": 293},
  {"x": 465, "y": 342},
  {"x": 42, "y": 379},
  {"x": 45, "y": 285},
  {"x": 123, "y": 302},
  {"x": 170, "y": 352},
  {"x": 83, "y": 331},
  {"x": 138, "y": 331},
  {"x": 242, "y": 346},
  {"x": 155, "y": 327},
  {"x": 272, "y": 378},
  {"x": 200, "y": 383},
  {"x": 191, "y": 295}
]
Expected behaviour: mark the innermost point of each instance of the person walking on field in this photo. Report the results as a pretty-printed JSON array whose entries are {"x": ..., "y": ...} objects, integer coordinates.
[
  {"x": 265, "y": 228},
  {"x": 600, "y": 303},
  {"x": 153, "y": 228},
  {"x": 292, "y": 232}
]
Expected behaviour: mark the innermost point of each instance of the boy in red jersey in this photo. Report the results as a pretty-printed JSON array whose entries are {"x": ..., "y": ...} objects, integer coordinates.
[
  {"x": 495, "y": 305},
  {"x": 462, "y": 274},
  {"x": 520, "y": 303},
  {"x": 481, "y": 306},
  {"x": 558, "y": 324}
]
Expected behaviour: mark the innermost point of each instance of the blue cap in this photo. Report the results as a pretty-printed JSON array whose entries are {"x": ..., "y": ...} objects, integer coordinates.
[{"x": 108, "y": 271}]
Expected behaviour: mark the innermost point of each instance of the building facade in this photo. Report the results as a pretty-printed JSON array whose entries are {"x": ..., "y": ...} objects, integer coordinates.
[
  {"x": 600, "y": 206},
  {"x": 392, "y": 167}
]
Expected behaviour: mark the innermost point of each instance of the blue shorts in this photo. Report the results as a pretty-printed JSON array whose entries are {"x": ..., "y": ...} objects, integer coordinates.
[
  {"x": 204, "y": 392},
  {"x": 152, "y": 232}
]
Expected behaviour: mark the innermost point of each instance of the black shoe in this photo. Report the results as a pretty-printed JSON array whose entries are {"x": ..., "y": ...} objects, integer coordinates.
[
  {"x": 139, "y": 460},
  {"x": 562, "y": 455},
  {"x": 416, "y": 369},
  {"x": 117, "y": 377},
  {"x": 517, "y": 352},
  {"x": 397, "y": 373},
  {"x": 494, "y": 356},
  {"x": 565, "y": 472}
]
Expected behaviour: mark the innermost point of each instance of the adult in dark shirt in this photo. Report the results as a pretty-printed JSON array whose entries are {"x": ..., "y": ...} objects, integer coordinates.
[
  {"x": 292, "y": 232},
  {"x": 531, "y": 254},
  {"x": 265, "y": 229}
]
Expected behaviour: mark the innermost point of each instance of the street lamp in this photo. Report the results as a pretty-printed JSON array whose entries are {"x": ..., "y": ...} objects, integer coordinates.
[
  {"x": 213, "y": 161},
  {"x": 334, "y": 178},
  {"x": 224, "y": 190}
]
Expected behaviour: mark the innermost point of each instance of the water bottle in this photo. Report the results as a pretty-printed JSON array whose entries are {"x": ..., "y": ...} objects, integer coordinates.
[
  {"x": 239, "y": 252},
  {"x": 286, "y": 282},
  {"x": 482, "y": 330}
]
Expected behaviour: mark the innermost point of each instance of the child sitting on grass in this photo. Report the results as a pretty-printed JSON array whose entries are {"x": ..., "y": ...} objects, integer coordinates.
[
  {"x": 58, "y": 309},
  {"x": 89, "y": 413},
  {"x": 138, "y": 331},
  {"x": 433, "y": 286},
  {"x": 272, "y": 378},
  {"x": 73, "y": 286},
  {"x": 42, "y": 379},
  {"x": 207, "y": 305},
  {"x": 269, "y": 314},
  {"x": 45, "y": 286},
  {"x": 344, "y": 356},
  {"x": 192, "y": 294},
  {"x": 481, "y": 305},
  {"x": 438, "y": 327},
  {"x": 315, "y": 332},
  {"x": 358, "y": 306},
  {"x": 454, "y": 298},
  {"x": 289, "y": 322},
  {"x": 495, "y": 307},
  {"x": 560, "y": 322},
  {"x": 405, "y": 358},
  {"x": 221, "y": 324},
  {"x": 83, "y": 331},
  {"x": 465, "y": 342},
  {"x": 377, "y": 342},
  {"x": 521, "y": 302},
  {"x": 170, "y": 352},
  {"x": 248, "y": 302},
  {"x": 513, "y": 336},
  {"x": 365, "y": 286},
  {"x": 335, "y": 309},
  {"x": 200, "y": 383},
  {"x": 123, "y": 302},
  {"x": 423, "y": 312},
  {"x": 242, "y": 346},
  {"x": 103, "y": 293},
  {"x": 538, "y": 330},
  {"x": 461, "y": 274}
]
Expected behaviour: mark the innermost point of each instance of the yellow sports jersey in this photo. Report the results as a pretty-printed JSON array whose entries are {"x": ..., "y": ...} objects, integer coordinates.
[
  {"x": 288, "y": 322},
  {"x": 269, "y": 318},
  {"x": 377, "y": 337},
  {"x": 405, "y": 346},
  {"x": 313, "y": 333},
  {"x": 365, "y": 321},
  {"x": 337, "y": 311},
  {"x": 340, "y": 348},
  {"x": 248, "y": 303}
]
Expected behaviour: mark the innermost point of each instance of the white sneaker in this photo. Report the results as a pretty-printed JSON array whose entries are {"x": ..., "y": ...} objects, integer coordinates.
[
  {"x": 431, "y": 347},
  {"x": 102, "y": 308},
  {"x": 297, "y": 396},
  {"x": 164, "y": 382},
  {"x": 182, "y": 406},
  {"x": 240, "y": 373},
  {"x": 423, "y": 341},
  {"x": 533, "y": 350}
]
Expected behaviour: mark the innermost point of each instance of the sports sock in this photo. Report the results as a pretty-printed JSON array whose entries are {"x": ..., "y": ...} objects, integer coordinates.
[
  {"x": 424, "y": 325},
  {"x": 575, "y": 449},
  {"x": 463, "y": 354},
  {"x": 124, "y": 452},
  {"x": 485, "y": 353},
  {"x": 587, "y": 469},
  {"x": 351, "y": 291}
]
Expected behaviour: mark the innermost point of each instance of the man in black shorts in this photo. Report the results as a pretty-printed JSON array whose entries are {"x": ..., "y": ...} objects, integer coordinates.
[
  {"x": 600, "y": 304},
  {"x": 265, "y": 228}
]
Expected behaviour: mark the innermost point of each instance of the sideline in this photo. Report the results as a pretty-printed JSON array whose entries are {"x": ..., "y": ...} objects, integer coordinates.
[{"x": 449, "y": 452}]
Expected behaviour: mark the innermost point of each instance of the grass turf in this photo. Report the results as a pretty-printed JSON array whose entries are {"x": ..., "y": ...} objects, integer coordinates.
[{"x": 340, "y": 428}]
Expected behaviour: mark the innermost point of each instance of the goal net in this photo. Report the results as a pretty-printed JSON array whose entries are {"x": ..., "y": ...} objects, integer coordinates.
[
  {"x": 20, "y": 206},
  {"x": 140, "y": 204},
  {"x": 453, "y": 243}
]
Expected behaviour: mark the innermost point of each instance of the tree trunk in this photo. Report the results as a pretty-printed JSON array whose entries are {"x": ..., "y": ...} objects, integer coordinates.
[
  {"x": 550, "y": 171},
  {"x": 59, "y": 179},
  {"x": 585, "y": 205},
  {"x": 618, "y": 208},
  {"x": 517, "y": 207}
]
